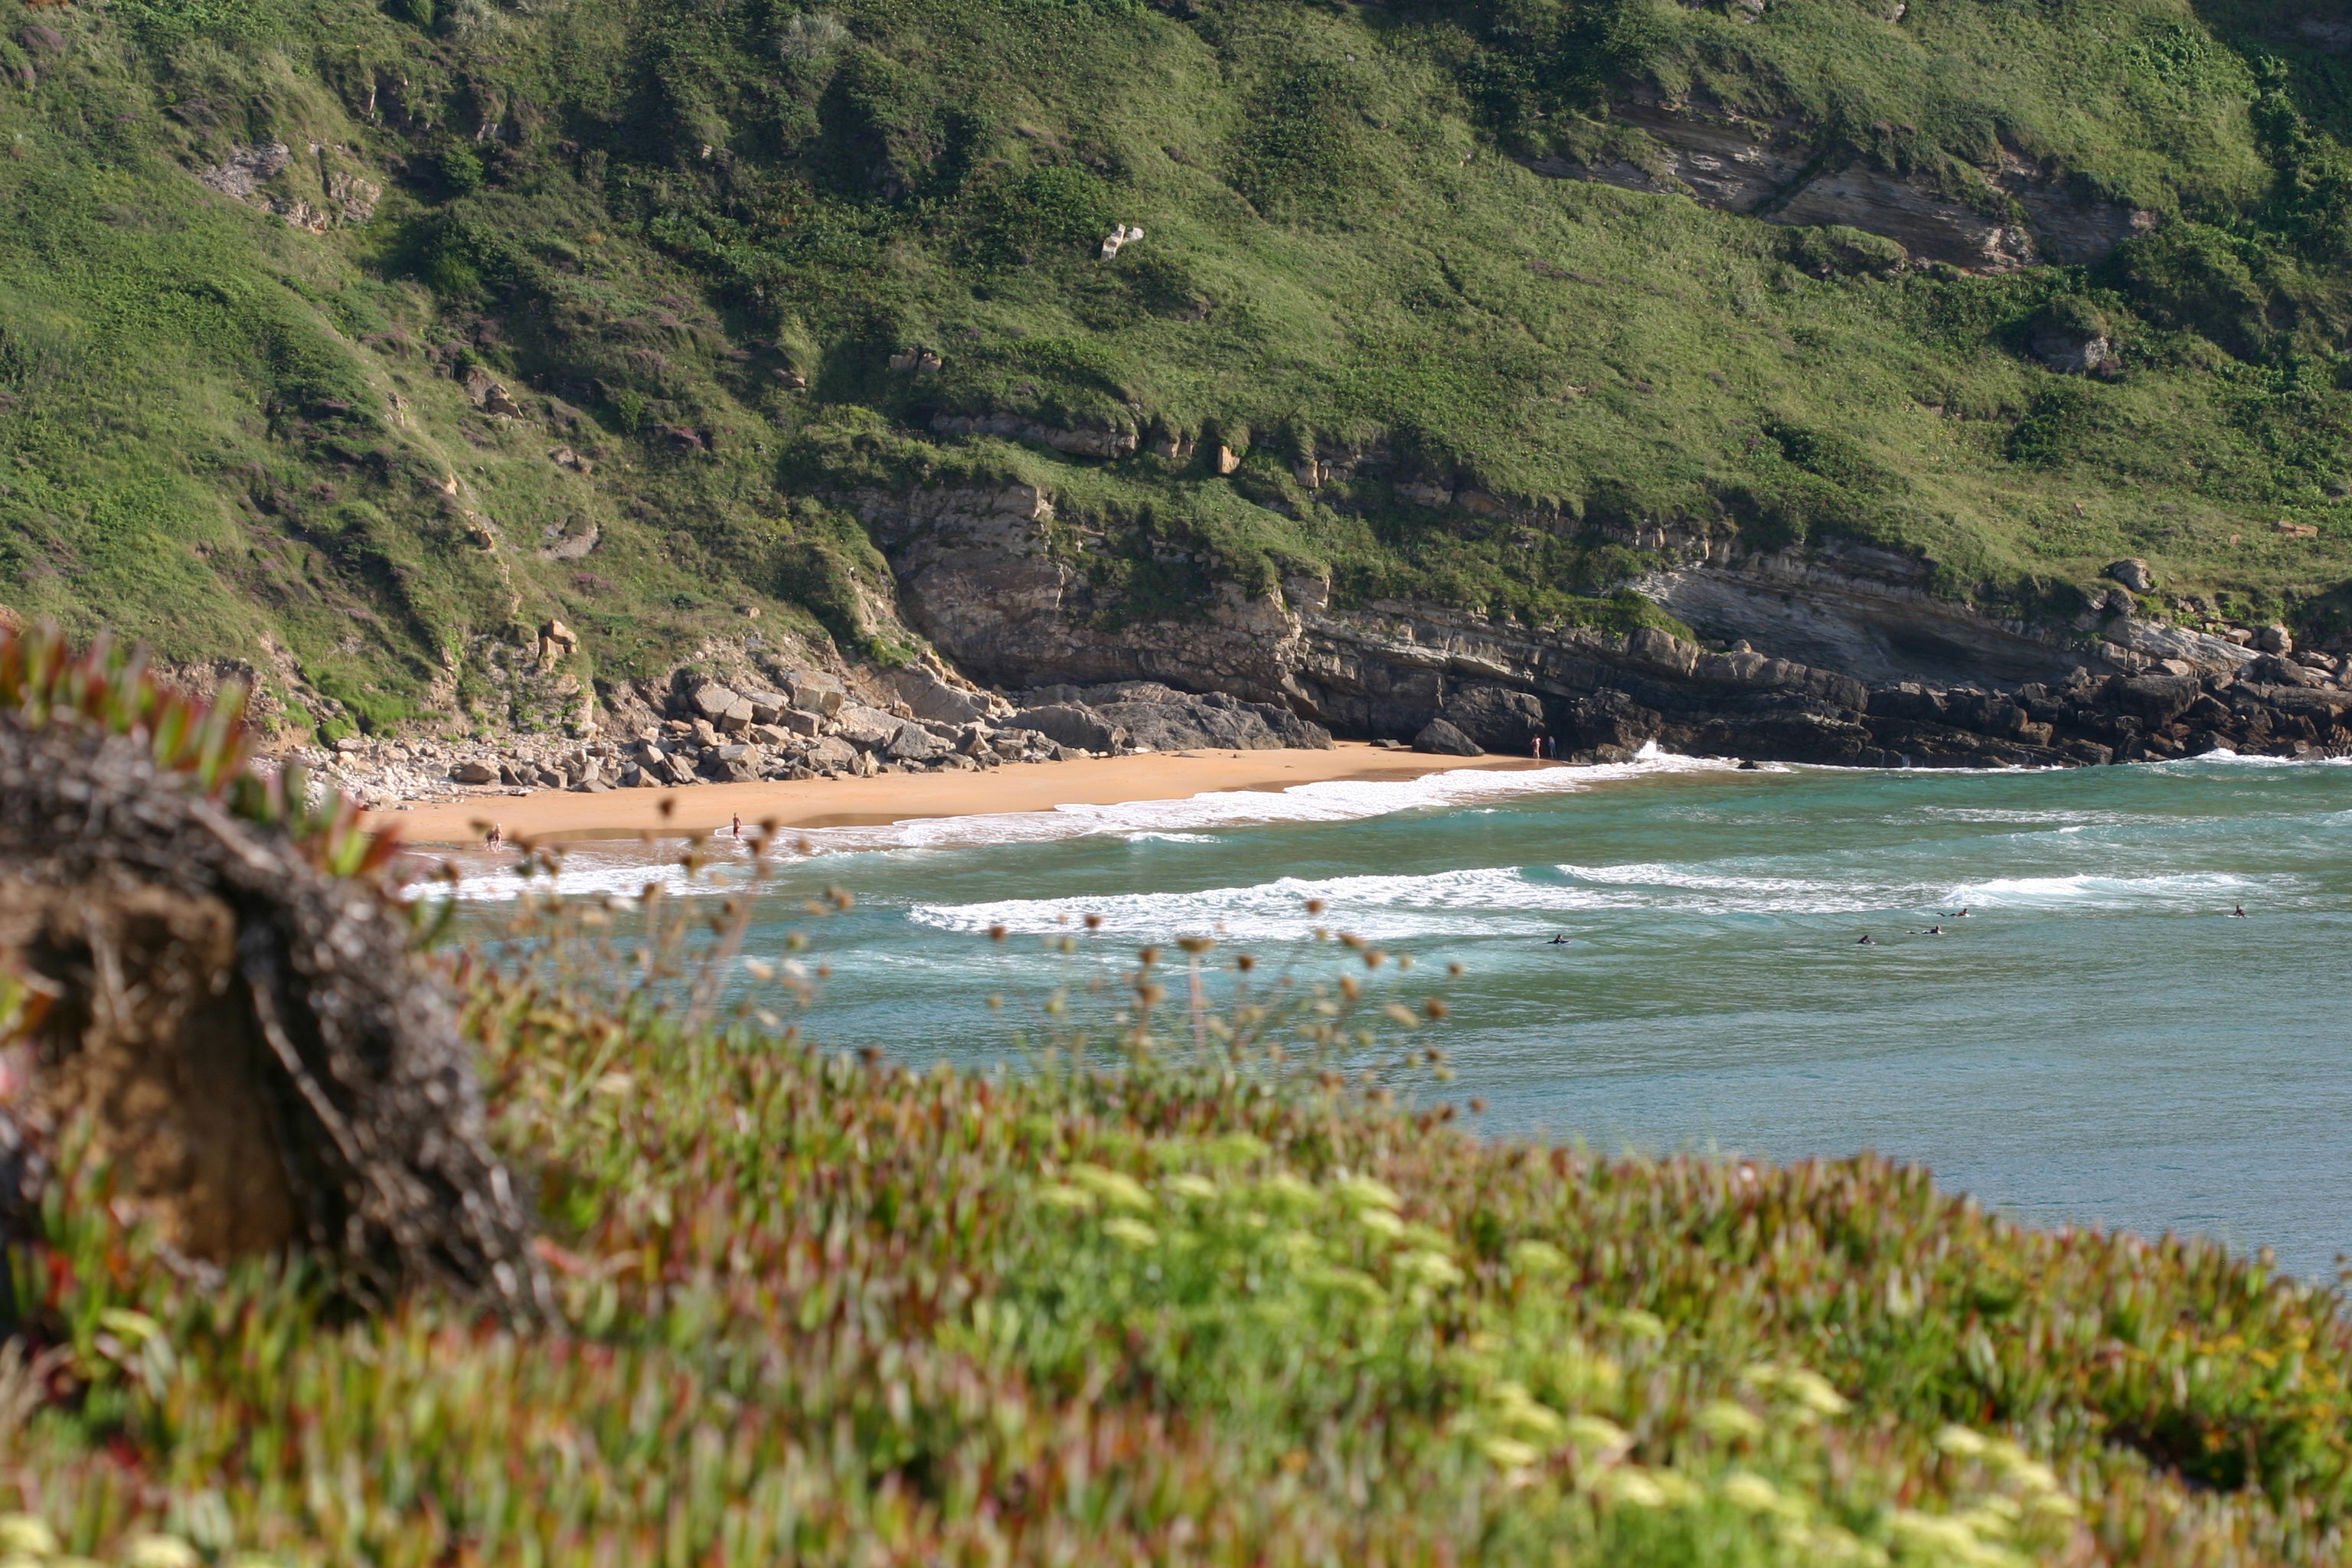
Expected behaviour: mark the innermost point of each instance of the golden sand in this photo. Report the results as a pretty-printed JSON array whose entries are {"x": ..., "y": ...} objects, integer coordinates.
[{"x": 899, "y": 797}]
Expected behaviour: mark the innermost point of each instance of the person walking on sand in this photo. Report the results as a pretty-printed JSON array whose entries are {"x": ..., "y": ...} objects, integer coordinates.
[
  {"x": 739, "y": 826},
  {"x": 496, "y": 836}
]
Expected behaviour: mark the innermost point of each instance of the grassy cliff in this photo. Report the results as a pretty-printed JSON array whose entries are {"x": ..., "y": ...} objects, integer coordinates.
[{"x": 357, "y": 342}]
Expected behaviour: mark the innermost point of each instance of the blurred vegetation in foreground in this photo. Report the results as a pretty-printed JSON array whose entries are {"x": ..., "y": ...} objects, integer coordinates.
[{"x": 1213, "y": 1289}]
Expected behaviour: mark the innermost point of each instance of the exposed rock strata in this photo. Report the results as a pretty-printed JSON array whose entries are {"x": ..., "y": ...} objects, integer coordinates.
[
  {"x": 1778, "y": 169},
  {"x": 1861, "y": 664}
]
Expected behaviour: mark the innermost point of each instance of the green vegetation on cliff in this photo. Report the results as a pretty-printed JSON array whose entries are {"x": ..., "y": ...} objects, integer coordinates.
[{"x": 358, "y": 342}]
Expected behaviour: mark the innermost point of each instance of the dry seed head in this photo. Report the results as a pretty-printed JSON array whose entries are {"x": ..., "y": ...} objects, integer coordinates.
[
  {"x": 1510, "y": 1452},
  {"x": 1374, "y": 958},
  {"x": 1962, "y": 1443},
  {"x": 1435, "y": 1007},
  {"x": 22, "y": 1534},
  {"x": 1148, "y": 956},
  {"x": 1630, "y": 1488},
  {"x": 1315, "y": 906},
  {"x": 1131, "y": 1233},
  {"x": 1094, "y": 922},
  {"x": 160, "y": 1552},
  {"x": 1195, "y": 945},
  {"x": 1244, "y": 962},
  {"x": 1730, "y": 1422},
  {"x": 996, "y": 934}
]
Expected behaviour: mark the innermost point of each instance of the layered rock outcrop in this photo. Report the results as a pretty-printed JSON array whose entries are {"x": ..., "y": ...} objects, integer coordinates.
[
  {"x": 1784, "y": 170},
  {"x": 1834, "y": 654}
]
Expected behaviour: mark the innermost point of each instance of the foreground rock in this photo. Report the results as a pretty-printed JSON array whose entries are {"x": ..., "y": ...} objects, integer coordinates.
[{"x": 260, "y": 1056}]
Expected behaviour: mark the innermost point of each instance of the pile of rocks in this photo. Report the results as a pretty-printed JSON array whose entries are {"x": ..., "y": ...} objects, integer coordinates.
[
  {"x": 1145, "y": 716},
  {"x": 812, "y": 730},
  {"x": 811, "y": 726},
  {"x": 378, "y": 772}
]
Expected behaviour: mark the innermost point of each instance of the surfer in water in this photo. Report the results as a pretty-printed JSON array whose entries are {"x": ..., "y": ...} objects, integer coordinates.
[
  {"x": 1955, "y": 915},
  {"x": 2239, "y": 913},
  {"x": 1559, "y": 940},
  {"x": 1931, "y": 930},
  {"x": 1866, "y": 940}
]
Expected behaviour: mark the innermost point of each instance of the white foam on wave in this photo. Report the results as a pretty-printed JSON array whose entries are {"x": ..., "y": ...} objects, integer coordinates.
[
  {"x": 2086, "y": 889},
  {"x": 2224, "y": 756},
  {"x": 2036, "y": 817},
  {"x": 1377, "y": 909},
  {"x": 1507, "y": 900},
  {"x": 1476, "y": 901},
  {"x": 596, "y": 870},
  {"x": 1719, "y": 888}
]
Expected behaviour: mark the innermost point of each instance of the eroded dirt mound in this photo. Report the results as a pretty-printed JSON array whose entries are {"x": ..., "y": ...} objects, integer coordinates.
[{"x": 256, "y": 1047}]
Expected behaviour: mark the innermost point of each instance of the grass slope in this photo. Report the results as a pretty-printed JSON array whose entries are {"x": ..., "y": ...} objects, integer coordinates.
[
  {"x": 648, "y": 220},
  {"x": 1185, "y": 1302}
]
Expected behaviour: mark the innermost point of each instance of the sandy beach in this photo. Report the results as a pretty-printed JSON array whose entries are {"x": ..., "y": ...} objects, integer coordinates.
[{"x": 901, "y": 797}]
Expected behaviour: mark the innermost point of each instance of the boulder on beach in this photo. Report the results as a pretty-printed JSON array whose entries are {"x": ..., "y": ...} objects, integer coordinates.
[
  {"x": 1071, "y": 724},
  {"x": 1162, "y": 718},
  {"x": 1445, "y": 740}
]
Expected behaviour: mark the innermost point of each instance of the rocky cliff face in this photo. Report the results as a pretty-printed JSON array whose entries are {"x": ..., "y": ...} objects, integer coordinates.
[
  {"x": 1836, "y": 654},
  {"x": 982, "y": 575},
  {"x": 1782, "y": 169}
]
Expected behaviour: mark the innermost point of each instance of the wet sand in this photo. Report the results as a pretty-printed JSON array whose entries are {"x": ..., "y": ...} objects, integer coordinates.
[{"x": 901, "y": 797}]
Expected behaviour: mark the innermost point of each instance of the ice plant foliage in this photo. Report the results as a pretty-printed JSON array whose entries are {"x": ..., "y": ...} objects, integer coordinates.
[
  {"x": 44, "y": 679},
  {"x": 1158, "y": 1302}
]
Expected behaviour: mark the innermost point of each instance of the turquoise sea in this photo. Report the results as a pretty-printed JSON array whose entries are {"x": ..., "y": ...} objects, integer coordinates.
[{"x": 2098, "y": 1042}]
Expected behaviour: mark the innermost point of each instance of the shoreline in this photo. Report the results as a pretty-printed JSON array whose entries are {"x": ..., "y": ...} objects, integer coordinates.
[{"x": 547, "y": 815}]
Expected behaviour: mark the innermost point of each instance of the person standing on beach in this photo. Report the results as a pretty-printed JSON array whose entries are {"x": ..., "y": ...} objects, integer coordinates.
[{"x": 739, "y": 825}]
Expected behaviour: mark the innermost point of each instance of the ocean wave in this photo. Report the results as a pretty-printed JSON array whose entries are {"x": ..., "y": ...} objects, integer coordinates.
[
  {"x": 1705, "y": 888},
  {"x": 2089, "y": 888},
  {"x": 2222, "y": 756},
  {"x": 1476, "y": 901},
  {"x": 592, "y": 870},
  {"x": 1377, "y": 909}
]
